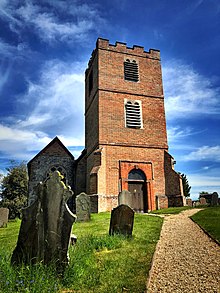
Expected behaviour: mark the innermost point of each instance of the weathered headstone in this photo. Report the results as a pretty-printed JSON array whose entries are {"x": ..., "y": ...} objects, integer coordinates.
[
  {"x": 46, "y": 226},
  {"x": 83, "y": 207},
  {"x": 122, "y": 220},
  {"x": 4, "y": 212},
  {"x": 202, "y": 201},
  {"x": 125, "y": 197},
  {"x": 214, "y": 199},
  {"x": 189, "y": 202}
]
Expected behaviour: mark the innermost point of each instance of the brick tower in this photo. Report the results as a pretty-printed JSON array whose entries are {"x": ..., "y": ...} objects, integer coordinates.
[{"x": 126, "y": 139}]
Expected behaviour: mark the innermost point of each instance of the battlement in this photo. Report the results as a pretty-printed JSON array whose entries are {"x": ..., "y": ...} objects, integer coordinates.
[{"x": 120, "y": 47}]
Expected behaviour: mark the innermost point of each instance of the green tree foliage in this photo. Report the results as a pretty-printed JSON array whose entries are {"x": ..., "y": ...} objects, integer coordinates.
[
  {"x": 14, "y": 190},
  {"x": 186, "y": 186},
  {"x": 203, "y": 193}
]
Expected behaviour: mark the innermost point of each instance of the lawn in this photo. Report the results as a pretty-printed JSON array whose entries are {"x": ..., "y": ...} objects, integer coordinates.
[
  {"x": 209, "y": 220},
  {"x": 98, "y": 262},
  {"x": 174, "y": 210}
]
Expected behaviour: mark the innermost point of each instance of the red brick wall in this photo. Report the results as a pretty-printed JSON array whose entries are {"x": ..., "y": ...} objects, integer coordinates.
[
  {"x": 126, "y": 167},
  {"x": 105, "y": 119},
  {"x": 112, "y": 121},
  {"x": 111, "y": 69}
]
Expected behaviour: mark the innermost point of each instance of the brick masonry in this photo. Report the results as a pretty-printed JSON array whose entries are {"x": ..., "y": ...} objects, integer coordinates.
[
  {"x": 112, "y": 150},
  {"x": 109, "y": 142}
]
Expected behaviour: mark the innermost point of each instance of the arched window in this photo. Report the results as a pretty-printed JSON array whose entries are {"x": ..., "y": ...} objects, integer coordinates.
[
  {"x": 133, "y": 114},
  {"x": 131, "y": 70},
  {"x": 60, "y": 169},
  {"x": 136, "y": 174}
]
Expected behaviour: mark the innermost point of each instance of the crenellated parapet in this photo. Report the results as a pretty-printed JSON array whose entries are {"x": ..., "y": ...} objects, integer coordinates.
[{"x": 120, "y": 47}]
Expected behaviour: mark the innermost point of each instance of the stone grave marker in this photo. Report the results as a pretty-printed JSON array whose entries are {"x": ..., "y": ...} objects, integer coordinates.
[
  {"x": 214, "y": 199},
  {"x": 83, "y": 208},
  {"x": 189, "y": 202},
  {"x": 46, "y": 226},
  {"x": 4, "y": 212},
  {"x": 202, "y": 201},
  {"x": 125, "y": 197},
  {"x": 122, "y": 220}
]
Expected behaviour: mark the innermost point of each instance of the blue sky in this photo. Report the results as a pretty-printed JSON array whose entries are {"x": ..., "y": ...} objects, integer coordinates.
[{"x": 44, "y": 50}]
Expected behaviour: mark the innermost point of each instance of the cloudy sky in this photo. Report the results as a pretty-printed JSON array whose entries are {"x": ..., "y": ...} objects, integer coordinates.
[{"x": 45, "y": 46}]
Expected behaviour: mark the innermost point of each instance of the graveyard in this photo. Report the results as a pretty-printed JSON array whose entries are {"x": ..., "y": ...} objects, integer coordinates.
[
  {"x": 51, "y": 249},
  {"x": 98, "y": 262}
]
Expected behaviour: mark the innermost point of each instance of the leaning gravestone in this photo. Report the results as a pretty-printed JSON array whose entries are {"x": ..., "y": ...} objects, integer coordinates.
[
  {"x": 83, "y": 207},
  {"x": 122, "y": 220},
  {"x": 125, "y": 197},
  {"x": 46, "y": 226},
  {"x": 4, "y": 212}
]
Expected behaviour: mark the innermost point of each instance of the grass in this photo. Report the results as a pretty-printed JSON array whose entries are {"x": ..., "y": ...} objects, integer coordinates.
[
  {"x": 175, "y": 210},
  {"x": 209, "y": 220},
  {"x": 9, "y": 235},
  {"x": 98, "y": 262}
]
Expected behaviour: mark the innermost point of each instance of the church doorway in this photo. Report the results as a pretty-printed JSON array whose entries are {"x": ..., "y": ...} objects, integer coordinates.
[{"x": 137, "y": 188}]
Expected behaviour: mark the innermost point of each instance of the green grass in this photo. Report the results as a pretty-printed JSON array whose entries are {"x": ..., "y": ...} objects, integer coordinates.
[
  {"x": 175, "y": 210},
  {"x": 98, "y": 262},
  {"x": 9, "y": 235},
  {"x": 209, "y": 220}
]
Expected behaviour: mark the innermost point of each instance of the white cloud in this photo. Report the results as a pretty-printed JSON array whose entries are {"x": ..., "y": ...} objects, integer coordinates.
[
  {"x": 207, "y": 179},
  {"x": 198, "y": 180},
  {"x": 18, "y": 144},
  {"x": 175, "y": 133},
  {"x": 6, "y": 49},
  {"x": 53, "y": 106},
  {"x": 48, "y": 21},
  {"x": 187, "y": 93},
  {"x": 204, "y": 153},
  {"x": 203, "y": 182},
  {"x": 23, "y": 144},
  {"x": 58, "y": 100}
]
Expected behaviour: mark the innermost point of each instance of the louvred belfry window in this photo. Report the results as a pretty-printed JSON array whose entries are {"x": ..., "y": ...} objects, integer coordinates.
[
  {"x": 133, "y": 114},
  {"x": 131, "y": 70}
]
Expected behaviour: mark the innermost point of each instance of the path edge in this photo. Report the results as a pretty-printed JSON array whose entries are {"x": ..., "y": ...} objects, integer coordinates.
[
  {"x": 207, "y": 233},
  {"x": 152, "y": 260}
]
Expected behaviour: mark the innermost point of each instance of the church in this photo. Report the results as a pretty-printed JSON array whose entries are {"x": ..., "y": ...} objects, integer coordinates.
[{"x": 125, "y": 135}]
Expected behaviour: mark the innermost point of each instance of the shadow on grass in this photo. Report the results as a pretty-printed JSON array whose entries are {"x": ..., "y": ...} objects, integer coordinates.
[{"x": 98, "y": 262}]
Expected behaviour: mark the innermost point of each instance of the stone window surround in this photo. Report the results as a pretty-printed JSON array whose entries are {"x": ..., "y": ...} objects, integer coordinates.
[
  {"x": 131, "y": 70},
  {"x": 139, "y": 121}
]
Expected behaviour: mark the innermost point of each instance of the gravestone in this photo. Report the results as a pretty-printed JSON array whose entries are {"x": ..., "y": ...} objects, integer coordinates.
[
  {"x": 189, "y": 202},
  {"x": 214, "y": 199},
  {"x": 46, "y": 226},
  {"x": 125, "y": 197},
  {"x": 202, "y": 201},
  {"x": 4, "y": 212},
  {"x": 83, "y": 208},
  {"x": 122, "y": 220}
]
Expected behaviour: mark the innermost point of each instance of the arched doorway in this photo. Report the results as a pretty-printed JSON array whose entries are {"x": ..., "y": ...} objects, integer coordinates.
[{"x": 137, "y": 187}]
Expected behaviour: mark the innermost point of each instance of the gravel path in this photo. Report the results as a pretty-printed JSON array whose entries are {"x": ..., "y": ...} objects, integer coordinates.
[{"x": 186, "y": 259}]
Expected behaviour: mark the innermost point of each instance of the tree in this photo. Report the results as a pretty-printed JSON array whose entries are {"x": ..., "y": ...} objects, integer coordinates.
[
  {"x": 186, "y": 186},
  {"x": 14, "y": 190},
  {"x": 203, "y": 193}
]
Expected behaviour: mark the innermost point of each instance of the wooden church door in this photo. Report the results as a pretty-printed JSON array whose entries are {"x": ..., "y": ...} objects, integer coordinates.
[{"x": 137, "y": 187}]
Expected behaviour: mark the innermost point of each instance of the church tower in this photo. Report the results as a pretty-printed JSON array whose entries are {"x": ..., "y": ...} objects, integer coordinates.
[{"x": 126, "y": 139}]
